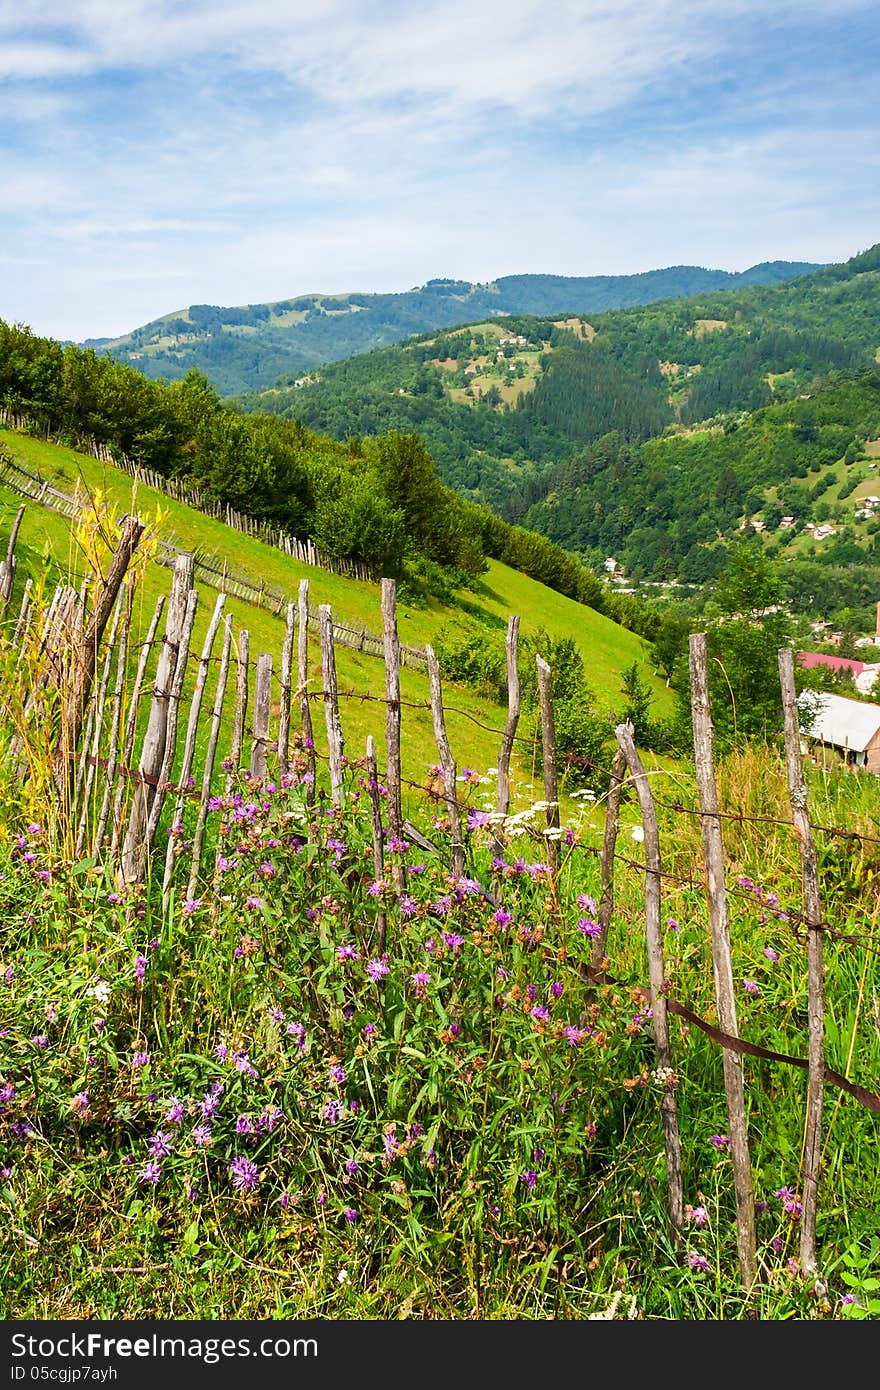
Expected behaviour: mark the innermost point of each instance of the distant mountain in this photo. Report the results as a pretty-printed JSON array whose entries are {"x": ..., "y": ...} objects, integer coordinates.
[{"x": 250, "y": 347}]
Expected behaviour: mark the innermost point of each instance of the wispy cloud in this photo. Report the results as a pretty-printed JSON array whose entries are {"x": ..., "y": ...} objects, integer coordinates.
[{"x": 156, "y": 153}]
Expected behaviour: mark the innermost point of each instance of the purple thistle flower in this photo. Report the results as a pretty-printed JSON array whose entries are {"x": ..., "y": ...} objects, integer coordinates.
[
  {"x": 556, "y": 989},
  {"x": 771, "y": 954},
  {"x": 347, "y": 952},
  {"x": 698, "y": 1262},
  {"x": 540, "y": 1013},
  {"x": 244, "y": 1125},
  {"x": 502, "y": 918},
  {"x": 573, "y": 1035},
  {"x": 337, "y": 1074},
  {"x": 245, "y": 1174},
  {"x": 588, "y": 926},
  {"x": 698, "y": 1215},
  {"x": 141, "y": 1059},
  {"x": 40, "y": 1040},
  {"x": 351, "y": 1166},
  {"x": 529, "y": 1177},
  {"x": 161, "y": 1144},
  {"x": 376, "y": 968},
  {"x": 140, "y": 967},
  {"x": 253, "y": 904},
  {"x": 408, "y": 906},
  {"x": 719, "y": 1141},
  {"x": 176, "y": 1112},
  {"x": 80, "y": 1102},
  {"x": 202, "y": 1136},
  {"x": 331, "y": 1112},
  {"x": 453, "y": 940},
  {"x": 151, "y": 1172},
  {"x": 750, "y": 986}
]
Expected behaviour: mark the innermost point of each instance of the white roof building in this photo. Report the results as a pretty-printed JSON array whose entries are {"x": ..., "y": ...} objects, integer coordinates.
[{"x": 850, "y": 726}]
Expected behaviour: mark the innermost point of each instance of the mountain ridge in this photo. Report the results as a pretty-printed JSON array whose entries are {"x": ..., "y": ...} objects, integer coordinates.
[{"x": 248, "y": 347}]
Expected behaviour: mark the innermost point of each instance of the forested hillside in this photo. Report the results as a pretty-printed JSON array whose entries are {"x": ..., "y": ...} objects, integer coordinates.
[
  {"x": 377, "y": 500},
  {"x": 249, "y": 346}
]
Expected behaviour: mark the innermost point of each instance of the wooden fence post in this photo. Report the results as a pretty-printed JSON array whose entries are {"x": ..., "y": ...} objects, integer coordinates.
[
  {"x": 797, "y": 790},
  {"x": 335, "y": 739},
  {"x": 656, "y": 972},
  {"x": 100, "y": 699},
  {"x": 210, "y": 754},
  {"x": 719, "y": 925},
  {"x": 447, "y": 763},
  {"x": 7, "y": 566},
  {"x": 548, "y": 747},
  {"x": 131, "y": 724},
  {"x": 262, "y": 712},
  {"x": 284, "y": 708},
  {"x": 189, "y": 745},
  {"x": 377, "y": 833},
  {"x": 302, "y": 681},
  {"x": 115, "y": 725},
  {"x": 391, "y": 643},
  {"x": 164, "y": 781},
  {"x": 135, "y": 849},
  {"x": 502, "y": 804},
  {"x": 241, "y": 704}
]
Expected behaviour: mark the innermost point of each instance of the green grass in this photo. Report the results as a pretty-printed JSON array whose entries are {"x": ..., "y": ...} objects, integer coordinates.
[{"x": 475, "y": 723}]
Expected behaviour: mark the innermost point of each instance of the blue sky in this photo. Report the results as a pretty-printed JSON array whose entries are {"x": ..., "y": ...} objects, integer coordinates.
[{"x": 158, "y": 153}]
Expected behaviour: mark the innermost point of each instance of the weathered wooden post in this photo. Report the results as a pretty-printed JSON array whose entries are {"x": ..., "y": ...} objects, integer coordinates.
[
  {"x": 657, "y": 975},
  {"x": 7, "y": 566},
  {"x": 302, "y": 680},
  {"x": 335, "y": 740},
  {"x": 447, "y": 763},
  {"x": 189, "y": 745},
  {"x": 131, "y": 723},
  {"x": 85, "y": 657},
  {"x": 797, "y": 789},
  {"x": 210, "y": 754},
  {"x": 262, "y": 712},
  {"x": 91, "y": 759},
  {"x": 173, "y": 716},
  {"x": 719, "y": 925},
  {"x": 135, "y": 848},
  {"x": 391, "y": 643},
  {"x": 502, "y": 803},
  {"x": 115, "y": 725},
  {"x": 377, "y": 834},
  {"x": 284, "y": 706},
  {"x": 241, "y": 704},
  {"x": 548, "y": 748}
]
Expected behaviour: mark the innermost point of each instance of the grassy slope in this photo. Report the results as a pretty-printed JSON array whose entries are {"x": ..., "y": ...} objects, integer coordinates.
[{"x": 607, "y": 648}]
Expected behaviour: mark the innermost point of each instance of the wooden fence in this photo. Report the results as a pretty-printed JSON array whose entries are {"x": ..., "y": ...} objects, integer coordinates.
[
  {"x": 208, "y": 569},
  {"x": 77, "y": 647},
  {"x": 305, "y": 551}
]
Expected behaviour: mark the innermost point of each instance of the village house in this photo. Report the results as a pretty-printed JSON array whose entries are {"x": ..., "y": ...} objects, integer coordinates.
[{"x": 847, "y": 730}]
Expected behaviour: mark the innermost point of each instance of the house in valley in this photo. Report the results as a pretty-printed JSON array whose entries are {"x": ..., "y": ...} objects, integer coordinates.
[{"x": 848, "y": 730}]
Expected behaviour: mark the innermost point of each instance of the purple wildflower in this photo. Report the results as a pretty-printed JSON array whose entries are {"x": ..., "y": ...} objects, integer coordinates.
[
  {"x": 202, "y": 1136},
  {"x": 698, "y": 1262},
  {"x": 245, "y": 1174},
  {"x": 529, "y": 1177},
  {"x": 151, "y": 1172},
  {"x": 141, "y": 1059},
  {"x": 376, "y": 968},
  {"x": 161, "y": 1144},
  {"x": 140, "y": 967}
]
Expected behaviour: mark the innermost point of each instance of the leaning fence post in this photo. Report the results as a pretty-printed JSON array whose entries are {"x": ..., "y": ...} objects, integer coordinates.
[
  {"x": 447, "y": 762},
  {"x": 335, "y": 739},
  {"x": 669, "y": 1110},
  {"x": 548, "y": 747},
  {"x": 392, "y": 723},
  {"x": 502, "y": 804},
  {"x": 797, "y": 790},
  {"x": 377, "y": 833},
  {"x": 725, "y": 1001},
  {"x": 262, "y": 711},
  {"x": 7, "y": 566}
]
